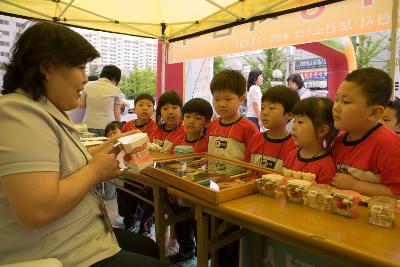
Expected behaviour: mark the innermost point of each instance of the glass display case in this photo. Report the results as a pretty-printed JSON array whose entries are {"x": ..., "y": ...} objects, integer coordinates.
[{"x": 210, "y": 178}]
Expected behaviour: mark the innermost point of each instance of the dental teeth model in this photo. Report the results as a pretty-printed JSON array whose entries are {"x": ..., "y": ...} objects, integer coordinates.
[{"x": 136, "y": 148}]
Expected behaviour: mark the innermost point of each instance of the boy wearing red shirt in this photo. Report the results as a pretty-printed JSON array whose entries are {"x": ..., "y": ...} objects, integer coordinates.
[
  {"x": 197, "y": 114},
  {"x": 270, "y": 148},
  {"x": 229, "y": 135},
  {"x": 367, "y": 153},
  {"x": 144, "y": 109}
]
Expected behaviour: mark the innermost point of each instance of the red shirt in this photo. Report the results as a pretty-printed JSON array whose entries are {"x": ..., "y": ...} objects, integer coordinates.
[
  {"x": 166, "y": 138},
  {"x": 200, "y": 145},
  {"x": 230, "y": 140},
  {"x": 268, "y": 152},
  {"x": 322, "y": 166},
  {"x": 374, "y": 158},
  {"x": 145, "y": 128}
]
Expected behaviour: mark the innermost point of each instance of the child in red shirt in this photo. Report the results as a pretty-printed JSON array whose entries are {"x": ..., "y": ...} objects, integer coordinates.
[
  {"x": 391, "y": 116},
  {"x": 270, "y": 148},
  {"x": 313, "y": 131},
  {"x": 366, "y": 154},
  {"x": 144, "y": 109},
  {"x": 229, "y": 135},
  {"x": 169, "y": 121},
  {"x": 197, "y": 114},
  {"x": 129, "y": 207}
]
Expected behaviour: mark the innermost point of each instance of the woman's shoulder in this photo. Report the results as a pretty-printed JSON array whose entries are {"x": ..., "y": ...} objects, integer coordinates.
[
  {"x": 19, "y": 102},
  {"x": 254, "y": 87}
]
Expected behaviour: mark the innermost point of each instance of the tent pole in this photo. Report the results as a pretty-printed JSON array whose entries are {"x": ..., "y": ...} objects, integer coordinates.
[
  {"x": 163, "y": 57},
  {"x": 393, "y": 39},
  {"x": 163, "y": 46}
]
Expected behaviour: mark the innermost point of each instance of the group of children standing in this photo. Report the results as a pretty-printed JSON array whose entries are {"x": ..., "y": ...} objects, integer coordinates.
[{"x": 363, "y": 157}]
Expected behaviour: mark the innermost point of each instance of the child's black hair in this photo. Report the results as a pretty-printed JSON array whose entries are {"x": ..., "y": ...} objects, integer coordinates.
[
  {"x": 375, "y": 84},
  {"x": 199, "y": 106},
  {"x": 282, "y": 95},
  {"x": 253, "y": 76},
  {"x": 170, "y": 97},
  {"x": 296, "y": 78},
  {"x": 319, "y": 110},
  {"x": 231, "y": 80},
  {"x": 395, "y": 105},
  {"x": 144, "y": 96},
  {"x": 112, "y": 126}
]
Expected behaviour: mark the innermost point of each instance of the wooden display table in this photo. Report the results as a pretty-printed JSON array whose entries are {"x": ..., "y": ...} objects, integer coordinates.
[{"x": 350, "y": 241}]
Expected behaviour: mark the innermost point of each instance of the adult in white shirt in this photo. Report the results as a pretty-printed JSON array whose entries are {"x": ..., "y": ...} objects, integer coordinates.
[
  {"x": 254, "y": 95},
  {"x": 102, "y": 99},
  {"x": 296, "y": 83}
]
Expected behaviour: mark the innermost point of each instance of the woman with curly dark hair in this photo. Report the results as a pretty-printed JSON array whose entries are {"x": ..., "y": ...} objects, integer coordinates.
[{"x": 48, "y": 208}]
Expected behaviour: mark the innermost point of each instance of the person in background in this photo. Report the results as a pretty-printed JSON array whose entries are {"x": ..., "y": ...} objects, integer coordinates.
[
  {"x": 102, "y": 99},
  {"x": 197, "y": 113},
  {"x": 270, "y": 148},
  {"x": 169, "y": 120},
  {"x": 230, "y": 134},
  {"x": 391, "y": 116},
  {"x": 313, "y": 132},
  {"x": 77, "y": 114},
  {"x": 254, "y": 95},
  {"x": 366, "y": 154},
  {"x": 113, "y": 129},
  {"x": 130, "y": 207},
  {"x": 296, "y": 83},
  {"x": 144, "y": 109},
  {"x": 48, "y": 205}
]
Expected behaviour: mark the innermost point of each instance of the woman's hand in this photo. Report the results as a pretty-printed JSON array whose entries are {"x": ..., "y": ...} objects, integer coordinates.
[{"x": 105, "y": 164}]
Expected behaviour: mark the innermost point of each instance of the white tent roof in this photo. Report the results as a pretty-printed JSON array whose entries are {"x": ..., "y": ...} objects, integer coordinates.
[{"x": 179, "y": 18}]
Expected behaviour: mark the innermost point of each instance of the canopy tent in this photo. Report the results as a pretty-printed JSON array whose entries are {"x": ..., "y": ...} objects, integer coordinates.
[{"x": 168, "y": 19}]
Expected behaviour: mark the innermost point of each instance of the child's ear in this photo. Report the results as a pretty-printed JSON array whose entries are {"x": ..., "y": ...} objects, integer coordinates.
[
  {"x": 207, "y": 123},
  {"x": 242, "y": 99},
  {"x": 397, "y": 127},
  {"x": 323, "y": 131},
  {"x": 289, "y": 116},
  {"x": 375, "y": 112}
]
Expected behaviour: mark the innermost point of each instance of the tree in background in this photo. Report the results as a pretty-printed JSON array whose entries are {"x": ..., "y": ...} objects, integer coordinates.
[
  {"x": 139, "y": 81},
  {"x": 367, "y": 49},
  {"x": 219, "y": 63},
  {"x": 272, "y": 59}
]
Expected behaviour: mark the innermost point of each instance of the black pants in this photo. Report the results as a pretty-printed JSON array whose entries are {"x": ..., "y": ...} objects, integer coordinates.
[
  {"x": 185, "y": 231},
  {"x": 137, "y": 250},
  {"x": 134, "y": 209}
]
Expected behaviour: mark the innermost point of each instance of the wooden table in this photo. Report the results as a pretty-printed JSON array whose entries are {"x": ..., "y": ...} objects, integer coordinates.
[
  {"x": 162, "y": 211},
  {"x": 351, "y": 241}
]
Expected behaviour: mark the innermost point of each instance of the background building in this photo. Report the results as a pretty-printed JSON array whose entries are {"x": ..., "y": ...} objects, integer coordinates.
[{"x": 127, "y": 52}]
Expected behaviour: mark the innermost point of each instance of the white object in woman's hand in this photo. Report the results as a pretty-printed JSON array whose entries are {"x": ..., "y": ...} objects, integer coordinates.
[{"x": 105, "y": 164}]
